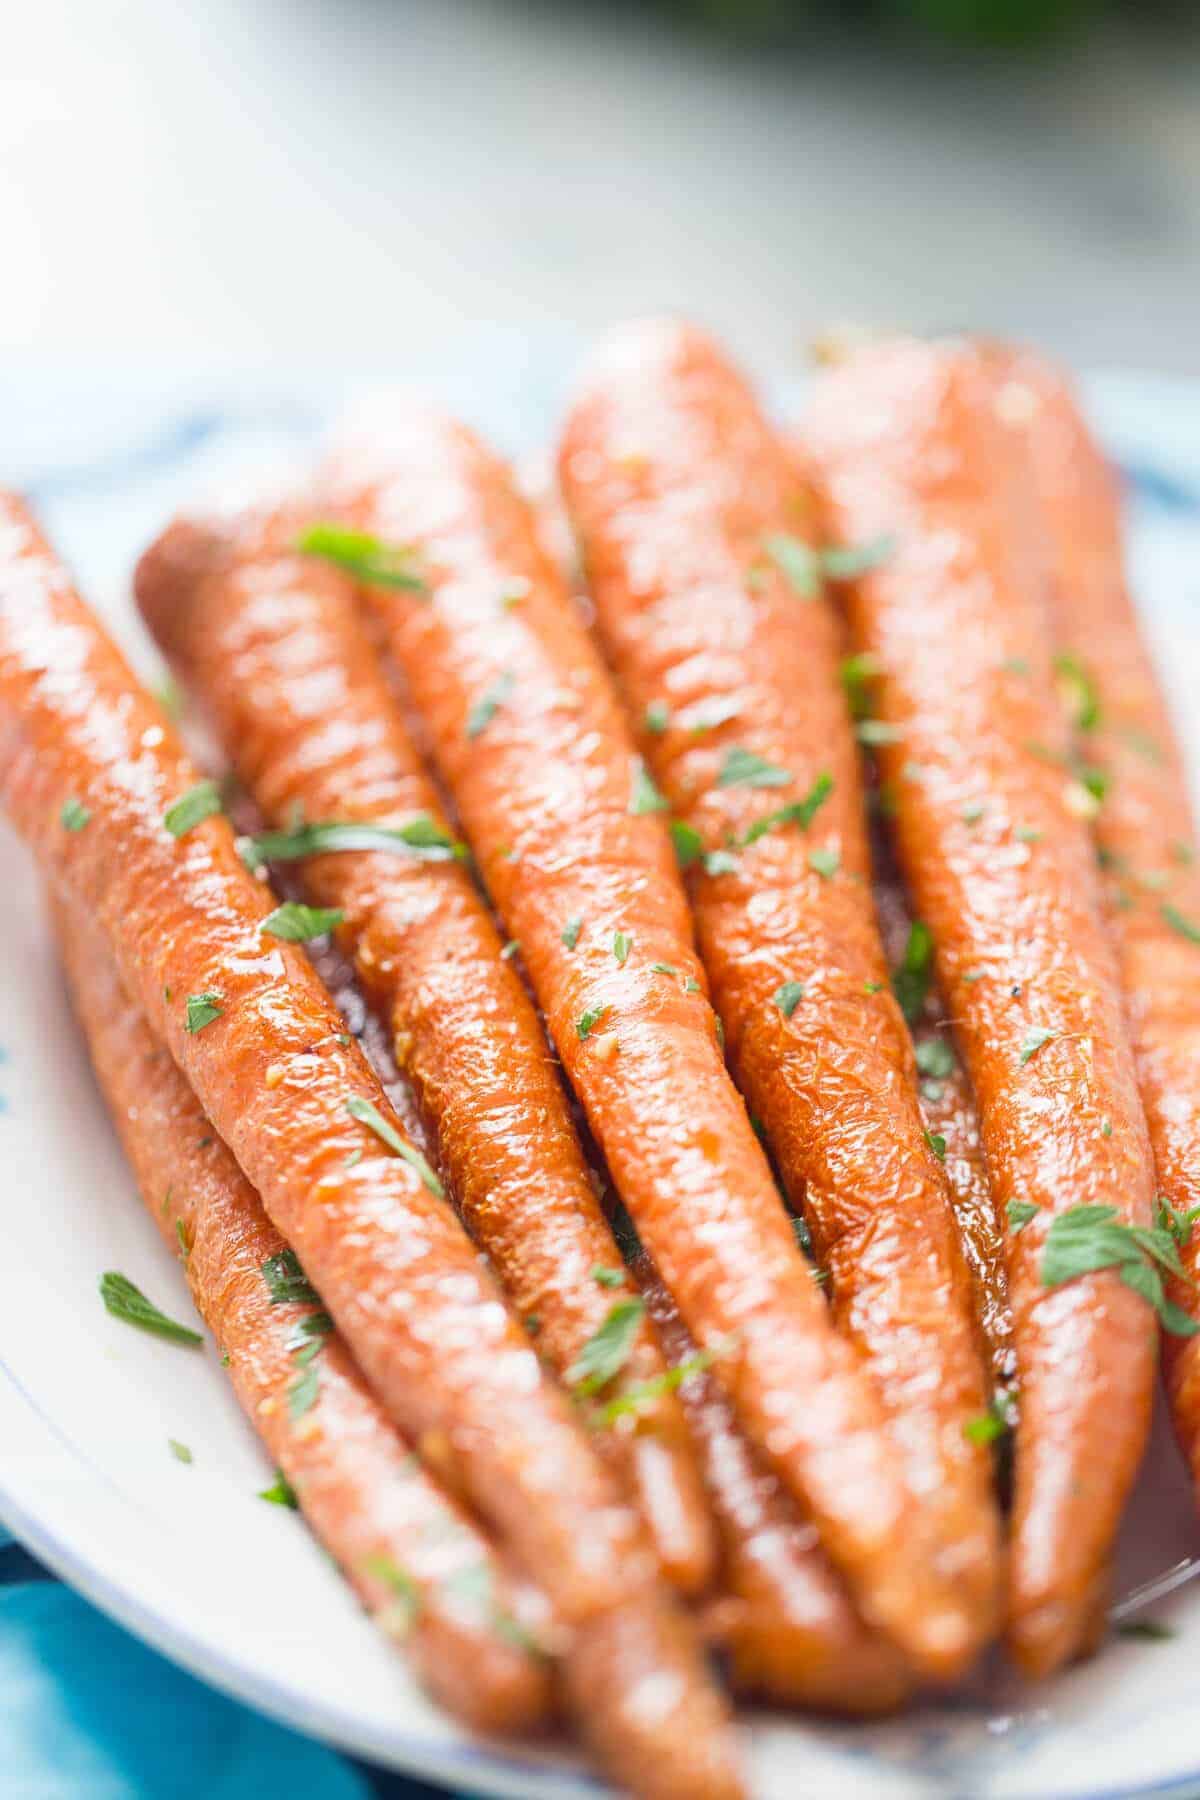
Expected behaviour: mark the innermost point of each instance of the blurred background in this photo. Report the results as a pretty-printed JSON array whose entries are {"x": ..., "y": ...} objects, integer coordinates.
[{"x": 250, "y": 180}]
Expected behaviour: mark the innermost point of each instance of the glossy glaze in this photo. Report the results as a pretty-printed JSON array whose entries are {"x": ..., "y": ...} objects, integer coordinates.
[
  {"x": 904, "y": 442},
  {"x": 677, "y": 488},
  {"x": 360, "y": 1486},
  {"x": 1145, "y": 829},
  {"x": 784, "y": 1619},
  {"x": 544, "y": 794},
  {"x": 393, "y": 1266},
  {"x": 272, "y": 646}
]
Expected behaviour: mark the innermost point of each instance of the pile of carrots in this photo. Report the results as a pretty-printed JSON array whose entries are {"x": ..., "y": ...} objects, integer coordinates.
[{"x": 755, "y": 1227}]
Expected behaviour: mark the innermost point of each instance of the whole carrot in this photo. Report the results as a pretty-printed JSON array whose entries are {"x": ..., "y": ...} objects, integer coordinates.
[
  {"x": 680, "y": 496},
  {"x": 565, "y": 826},
  {"x": 95, "y": 779},
  {"x": 422, "y": 1569},
  {"x": 1143, "y": 820},
  {"x": 272, "y": 645},
  {"x": 976, "y": 761}
]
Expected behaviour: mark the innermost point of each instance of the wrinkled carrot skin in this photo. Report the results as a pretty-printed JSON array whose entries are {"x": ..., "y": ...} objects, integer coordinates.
[
  {"x": 783, "y": 1617},
  {"x": 359, "y": 1485},
  {"x": 393, "y": 1266},
  {"x": 949, "y": 1111},
  {"x": 1145, "y": 829},
  {"x": 272, "y": 645},
  {"x": 544, "y": 792},
  {"x": 676, "y": 487},
  {"x": 904, "y": 442}
]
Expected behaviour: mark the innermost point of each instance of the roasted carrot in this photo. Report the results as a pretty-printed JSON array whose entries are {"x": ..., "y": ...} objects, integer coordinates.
[
  {"x": 975, "y": 757},
  {"x": 272, "y": 645},
  {"x": 421, "y": 1567},
  {"x": 95, "y": 779},
  {"x": 1143, "y": 824},
  {"x": 565, "y": 825},
  {"x": 782, "y": 1616},
  {"x": 679, "y": 493}
]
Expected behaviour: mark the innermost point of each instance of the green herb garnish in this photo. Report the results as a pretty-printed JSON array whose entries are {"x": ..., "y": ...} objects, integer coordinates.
[
  {"x": 644, "y": 1393},
  {"x": 935, "y": 1058},
  {"x": 587, "y": 1021},
  {"x": 179, "y": 1451},
  {"x": 281, "y": 1492},
  {"x": 797, "y": 562},
  {"x": 689, "y": 845},
  {"x": 368, "y": 559},
  {"x": 1019, "y": 1214},
  {"x": 286, "y": 1281},
  {"x": 405, "y": 1604},
  {"x": 1086, "y": 1238},
  {"x": 877, "y": 731},
  {"x": 788, "y": 997},
  {"x": 191, "y": 809},
  {"x": 993, "y": 1424},
  {"x": 1034, "y": 1040},
  {"x": 202, "y": 1009},
  {"x": 745, "y": 768},
  {"x": 846, "y": 562},
  {"x": 489, "y": 703},
  {"x": 74, "y": 815},
  {"x": 608, "y": 1349},
  {"x": 644, "y": 797},
  {"x": 420, "y": 836},
  {"x": 657, "y": 717},
  {"x": 622, "y": 944},
  {"x": 857, "y": 673},
  {"x": 911, "y": 981},
  {"x": 799, "y": 812},
  {"x": 937, "y": 1144},
  {"x": 825, "y": 862},
  {"x": 302, "y": 1394},
  {"x": 1078, "y": 691},
  {"x": 368, "y": 1114},
  {"x": 571, "y": 931},
  {"x": 607, "y": 1278},
  {"x": 125, "y": 1301},
  {"x": 1178, "y": 921},
  {"x": 296, "y": 923}
]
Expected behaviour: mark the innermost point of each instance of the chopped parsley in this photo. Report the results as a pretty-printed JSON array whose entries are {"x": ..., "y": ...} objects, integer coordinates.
[
  {"x": 1178, "y": 921},
  {"x": 877, "y": 731},
  {"x": 202, "y": 1009},
  {"x": 281, "y": 1492},
  {"x": 1034, "y": 1040},
  {"x": 644, "y": 1393},
  {"x": 191, "y": 809},
  {"x": 622, "y": 944},
  {"x": 1078, "y": 691},
  {"x": 661, "y": 968},
  {"x": 872, "y": 987},
  {"x": 972, "y": 814},
  {"x": 509, "y": 950},
  {"x": 1149, "y": 1631},
  {"x": 1019, "y": 1214},
  {"x": 405, "y": 1596},
  {"x": 420, "y": 836},
  {"x": 689, "y": 845},
  {"x": 911, "y": 980},
  {"x": 368, "y": 1114},
  {"x": 179, "y": 1451},
  {"x": 993, "y": 1424},
  {"x": 608, "y": 1349},
  {"x": 846, "y": 562},
  {"x": 857, "y": 673},
  {"x": 745, "y": 768},
  {"x": 587, "y": 1021},
  {"x": 825, "y": 861},
  {"x": 657, "y": 717},
  {"x": 644, "y": 797},
  {"x": 937, "y": 1144},
  {"x": 797, "y": 562},
  {"x": 286, "y": 1281},
  {"x": 1086, "y": 1238},
  {"x": 799, "y": 812},
  {"x": 788, "y": 997},
  {"x": 571, "y": 931},
  {"x": 489, "y": 703},
  {"x": 936, "y": 1058},
  {"x": 303, "y": 1391},
  {"x": 368, "y": 559},
  {"x": 296, "y": 923},
  {"x": 125, "y": 1301},
  {"x": 1179, "y": 1224},
  {"x": 719, "y": 862},
  {"x": 607, "y": 1278},
  {"x": 74, "y": 815}
]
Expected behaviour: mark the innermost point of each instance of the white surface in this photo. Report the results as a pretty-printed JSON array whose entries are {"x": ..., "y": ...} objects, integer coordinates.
[
  {"x": 243, "y": 178},
  {"x": 187, "y": 1556}
]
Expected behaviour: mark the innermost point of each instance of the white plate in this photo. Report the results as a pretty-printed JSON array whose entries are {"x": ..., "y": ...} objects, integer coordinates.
[{"x": 188, "y": 1557}]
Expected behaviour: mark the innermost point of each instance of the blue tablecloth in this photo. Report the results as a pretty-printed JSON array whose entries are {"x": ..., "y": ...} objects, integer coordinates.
[{"x": 88, "y": 1713}]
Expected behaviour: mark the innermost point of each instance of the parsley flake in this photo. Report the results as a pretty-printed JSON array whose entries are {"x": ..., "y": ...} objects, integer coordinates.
[
  {"x": 745, "y": 768},
  {"x": 937, "y": 1144},
  {"x": 797, "y": 562},
  {"x": 127, "y": 1302},
  {"x": 368, "y": 559},
  {"x": 622, "y": 944},
  {"x": 571, "y": 931},
  {"x": 607, "y": 1278},
  {"x": 608, "y": 1349},
  {"x": 788, "y": 997},
  {"x": 1178, "y": 921},
  {"x": 856, "y": 674},
  {"x": 1088, "y": 1237},
  {"x": 1078, "y": 691},
  {"x": 588, "y": 1020},
  {"x": 689, "y": 845},
  {"x": 419, "y": 836},
  {"x": 281, "y": 1492},
  {"x": 911, "y": 981},
  {"x": 179, "y": 1451},
  {"x": 191, "y": 809},
  {"x": 489, "y": 703},
  {"x": 202, "y": 1009},
  {"x": 825, "y": 862},
  {"x": 644, "y": 797},
  {"x": 799, "y": 812},
  {"x": 296, "y": 923},
  {"x": 657, "y": 717},
  {"x": 1019, "y": 1214},
  {"x": 74, "y": 815},
  {"x": 1034, "y": 1040},
  {"x": 369, "y": 1115},
  {"x": 286, "y": 1281}
]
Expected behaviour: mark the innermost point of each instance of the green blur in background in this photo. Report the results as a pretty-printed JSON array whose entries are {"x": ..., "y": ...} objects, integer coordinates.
[{"x": 1010, "y": 24}]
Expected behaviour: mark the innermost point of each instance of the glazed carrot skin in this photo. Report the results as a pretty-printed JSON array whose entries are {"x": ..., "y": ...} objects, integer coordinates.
[
  {"x": 555, "y": 805},
  {"x": 679, "y": 491},
  {"x": 1144, "y": 828},
  {"x": 783, "y": 1617},
  {"x": 949, "y": 1111},
  {"x": 273, "y": 1073},
  {"x": 272, "y": 644},
  {"x": 1000, "y": 867},
  {"x": 359, "y": 1484}
]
